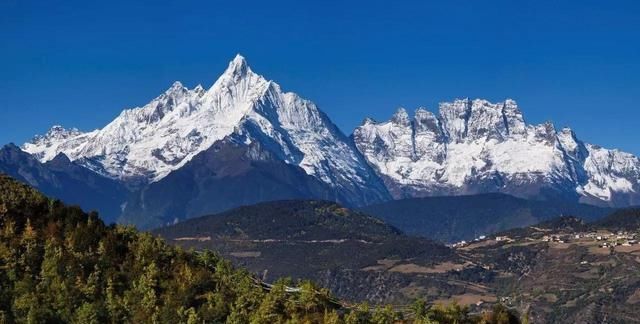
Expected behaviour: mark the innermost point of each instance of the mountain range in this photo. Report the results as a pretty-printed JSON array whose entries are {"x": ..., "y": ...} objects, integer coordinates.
[
  {"x": 474, "y": 146},
  {"x": 244, "y": 140}
]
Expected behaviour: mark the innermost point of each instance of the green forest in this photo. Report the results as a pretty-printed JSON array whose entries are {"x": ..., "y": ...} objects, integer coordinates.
[{"x": 59, "y": 264}]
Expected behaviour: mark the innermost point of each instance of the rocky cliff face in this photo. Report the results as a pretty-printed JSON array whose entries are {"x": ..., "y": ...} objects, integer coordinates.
[{"x": 474, "y": 146}]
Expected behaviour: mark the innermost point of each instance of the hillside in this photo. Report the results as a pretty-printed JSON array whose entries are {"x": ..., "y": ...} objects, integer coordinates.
[
  {"x": 59, "y": 264},
  {"x": 217, "y": 180},
  {"x": 456, "y": 218},
  {"x": 317, "y": 240},
  {"x": 543, "y": 270}
]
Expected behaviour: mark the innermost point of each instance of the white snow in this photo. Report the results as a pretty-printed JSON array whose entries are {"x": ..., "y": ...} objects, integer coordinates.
[
  {"x": 153, "y": 140},
  {"x": 471, "y": 140},
  {"x": 466, "y": 142}
]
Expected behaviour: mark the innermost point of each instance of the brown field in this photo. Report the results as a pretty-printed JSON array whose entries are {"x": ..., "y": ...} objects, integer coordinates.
[
  {"x": 246, "y": 254},
  {"x": 199, "y": 239},
  {"x": 634, "y": 298},
  {"x": 560, "y": 246},
  {"x": 438, "y": 268},
  {"x": 479, "y": 244},
  {"x": 468, "y": 299},
  {"x": 598, "y": 250},
  {"x": 383, "y": 265},
  {"x": 628, "y": 249}
]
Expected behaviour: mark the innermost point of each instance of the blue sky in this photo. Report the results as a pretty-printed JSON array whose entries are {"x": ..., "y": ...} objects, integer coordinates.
[{"x": 79, "y": 63}]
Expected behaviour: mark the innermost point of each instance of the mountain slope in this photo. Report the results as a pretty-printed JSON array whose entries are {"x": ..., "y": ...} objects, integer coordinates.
[
  {"x": 474, "y": 146},
  {"x": 456, "y": 218},
  {"x": 227, "y": 175},
  {"x": 147, "y": 143},
  {"x": 559, "y": 272},
  {"x": 66, "y": 180}
]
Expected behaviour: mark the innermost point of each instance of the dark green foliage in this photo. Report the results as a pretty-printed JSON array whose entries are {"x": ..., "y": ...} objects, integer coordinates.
[{"x": 455, "y": 313}]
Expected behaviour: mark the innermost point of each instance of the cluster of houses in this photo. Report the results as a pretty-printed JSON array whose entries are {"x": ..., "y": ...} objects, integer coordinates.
[
  {"x": 606, "y": 239},
  {"x": 621, "y": 238},
  {"x": 559, "y": 238}
]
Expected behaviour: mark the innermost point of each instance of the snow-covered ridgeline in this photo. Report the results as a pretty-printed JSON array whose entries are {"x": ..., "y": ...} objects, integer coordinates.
[
  {"x": 471, "y": 142},
  {"x": 469, "y": 146}
]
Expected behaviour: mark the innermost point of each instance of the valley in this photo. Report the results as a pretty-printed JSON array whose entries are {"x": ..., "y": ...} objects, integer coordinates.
[{"x": 563, "y": 269}]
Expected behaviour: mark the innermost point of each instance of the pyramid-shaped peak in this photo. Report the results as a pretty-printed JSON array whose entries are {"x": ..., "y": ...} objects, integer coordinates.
[
  {"x": 238, "y": 65},
  {"x": 239, "y": 59}
]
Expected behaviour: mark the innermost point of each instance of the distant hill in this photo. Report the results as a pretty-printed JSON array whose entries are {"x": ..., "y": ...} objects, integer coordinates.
[
  {"x": 455, "y": 218},
  {"x": 627, "y": 219},
  {"x": 287, "y": 219},
  {"x": 318, "y": 240}
]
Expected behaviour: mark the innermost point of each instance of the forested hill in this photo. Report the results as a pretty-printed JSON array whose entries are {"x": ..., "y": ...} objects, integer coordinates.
[{"x": 61, "y": 265}]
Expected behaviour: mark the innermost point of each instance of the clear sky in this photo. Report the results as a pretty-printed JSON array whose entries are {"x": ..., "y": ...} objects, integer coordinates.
[{"x": 79, "y": 63}]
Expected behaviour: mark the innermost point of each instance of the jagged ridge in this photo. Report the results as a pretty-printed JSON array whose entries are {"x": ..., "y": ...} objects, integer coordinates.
[
  {"x": 474, "y": 146},
  {"x": 470, "y": 146}
]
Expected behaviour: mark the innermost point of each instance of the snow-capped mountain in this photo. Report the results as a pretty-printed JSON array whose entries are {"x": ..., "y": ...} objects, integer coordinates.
[
  {"x": 475, "y": 146},
  {"x": 469, "y": 146},
  {"x": 149, "y": 142}
]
